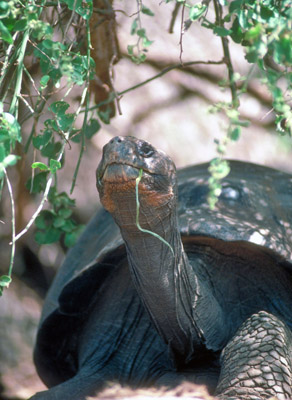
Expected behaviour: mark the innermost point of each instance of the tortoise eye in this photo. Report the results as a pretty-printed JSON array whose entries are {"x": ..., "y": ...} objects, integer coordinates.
[{"x": 146, "y": 150}]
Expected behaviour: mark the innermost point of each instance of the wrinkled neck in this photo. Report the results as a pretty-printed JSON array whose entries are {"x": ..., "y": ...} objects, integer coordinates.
[{"x": 161, "y": 275}]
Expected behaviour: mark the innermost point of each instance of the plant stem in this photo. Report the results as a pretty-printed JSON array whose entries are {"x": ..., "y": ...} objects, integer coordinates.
[
  {"x": 138, "y": 179},
  {"x": 6, "y": 60},
  {"x": 12, "y": 223},
  {"x": 14, "y": 102},
  {"x": 227, "y": 57},
  {"x": 46, "y": 192},
  {"x": 161, "y": 73},
  {"x": 182, "y": 33},
  {"x": 85, "y": 98}
]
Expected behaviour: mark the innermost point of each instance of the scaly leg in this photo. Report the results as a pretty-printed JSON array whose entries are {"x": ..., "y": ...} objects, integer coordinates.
[{"x": 256, "y": 363}]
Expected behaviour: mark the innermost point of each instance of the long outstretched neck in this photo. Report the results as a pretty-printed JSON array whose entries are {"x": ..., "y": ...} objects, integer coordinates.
[
  {"x": 159, "y": 266},
  {"x": 165, "y": 281}
]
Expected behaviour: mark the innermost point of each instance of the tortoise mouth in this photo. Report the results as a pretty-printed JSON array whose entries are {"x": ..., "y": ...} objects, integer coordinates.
[{"x": 118, "y": 173}]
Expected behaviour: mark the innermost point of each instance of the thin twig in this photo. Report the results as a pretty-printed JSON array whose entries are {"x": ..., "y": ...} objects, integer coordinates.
[
  {"x": 70, "y": 21},
  {"x": 84, "y": 98},
  {"x": 46, "y": 191},
  {"x": 161, "y": 73},
  {"x": 14, "y": 102},
  {"x": 227, "y": 57},
  {"x": 6, "y": 60},
  {"x": 173, "y": 17},
  {"x": 39, "y": 94},
  {"x": 41, "y": 205},
  {"x": 27, "y": 104},
  {"x": 117, "y": 97},
  {"x": 181, "y": 33},
  {"x": 168, "y": 69},
  {"x": 12, "y": 223}
]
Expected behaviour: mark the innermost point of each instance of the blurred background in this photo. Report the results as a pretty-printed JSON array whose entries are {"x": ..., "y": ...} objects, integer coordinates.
[{"x": 172, "y": 112}]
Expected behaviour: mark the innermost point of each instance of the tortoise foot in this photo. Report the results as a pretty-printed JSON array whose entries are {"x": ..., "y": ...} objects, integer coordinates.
[{"x": 256, "y": 363}]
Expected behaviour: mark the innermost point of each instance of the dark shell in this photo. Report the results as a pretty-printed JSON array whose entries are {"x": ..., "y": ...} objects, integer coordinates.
[{"x": 255, "y": 206}]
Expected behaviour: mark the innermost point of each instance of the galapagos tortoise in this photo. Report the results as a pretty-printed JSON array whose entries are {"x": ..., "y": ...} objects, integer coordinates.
[{"x": 210, "y": 303}]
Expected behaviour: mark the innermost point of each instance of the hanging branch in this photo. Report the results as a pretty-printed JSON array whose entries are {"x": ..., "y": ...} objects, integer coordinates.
[
  {"x": 159, "y": 75},
  {"x": 227, "y": 57},
  {"x": 181, "y": 33},
  {"x": 174, "y": 16},
  {"x": 5, "y": 280}
]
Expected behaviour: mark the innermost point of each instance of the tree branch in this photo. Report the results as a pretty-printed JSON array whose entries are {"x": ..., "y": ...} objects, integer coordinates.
[{"x": 227, "y": 57}]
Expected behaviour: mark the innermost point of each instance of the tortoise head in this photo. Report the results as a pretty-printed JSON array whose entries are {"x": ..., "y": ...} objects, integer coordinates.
[{"x": 123, "y": 158}]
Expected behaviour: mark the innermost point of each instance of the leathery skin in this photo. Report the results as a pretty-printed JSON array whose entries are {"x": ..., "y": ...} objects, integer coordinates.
[{"x": 256, "y": 363}]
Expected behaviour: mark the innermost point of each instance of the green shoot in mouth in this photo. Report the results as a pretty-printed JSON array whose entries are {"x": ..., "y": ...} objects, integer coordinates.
[{"x": 138, "y": 179}]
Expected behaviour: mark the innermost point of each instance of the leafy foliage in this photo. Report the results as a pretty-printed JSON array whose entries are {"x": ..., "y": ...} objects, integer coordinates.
[
  {"x": 263, "y": 28},
  {"x": 26, "y": 34},
  {"x": 138, "y": 51}
]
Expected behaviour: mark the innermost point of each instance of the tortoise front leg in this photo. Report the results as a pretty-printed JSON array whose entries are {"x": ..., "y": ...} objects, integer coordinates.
[{"x": 256, "y": 363}]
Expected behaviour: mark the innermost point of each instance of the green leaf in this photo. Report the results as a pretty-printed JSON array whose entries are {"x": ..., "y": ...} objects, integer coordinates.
[
  {"x": 54, "y": 166},
  {"x": 65, "y": 213},
  {"x": 10, "y": 125},
  {"x": 38, "y": 183},
  {"x": 20, "y": 25},
  {"x": 283, "y": 49},
  {"x": 235, "y": 5},
  {"x": 41, "y": 166},
  {"x": 5, "y": 280},
  {"x": 2, "y": 152},
  {"x": 219, "y": 169},
  {"x": 253, "y": 33},
  {"x": 51, "y": 149},
  {"x": 134, "y": 27},
  {"x": 85, "y": 9},
  {"x": 45, "y": 219},
  {"x": 60, "y": 199},
  {"x": 5, "y": 34},
  {"x": 41, "y": 30},
  {"x": 44, "y": 81},
  {"x": 251, "y": 57},
  {"x": 130, "y": 49},
  {"x": 42, "y": 140},
  {"x": 141, "y": 33},
  {"x": 69, "y": 225},
  {"x": 234, "y": 133},
  {"x": 236, "y": 31},
  {"x": 147, "y": 11},
  {"x": 71, "y": 237},
  {"x": 58, "y": 222},
  {"x": 197, "y": 11},
  {"x": 92, "y": 128},
  {"x": 243, "y": 19},
  {"x": 72, "y": 4},
  {"x": 65, "y": 122},
  {"x": 146, "y": 42},
  {"x": 51, "y": 235},
  {"x": 59, "y": 107},
  {"x": 221, "y": 31},
  {"x": 10, "y": 160},
  {"x": 105, "y": 116},
  {"x": 4, "y": 9}
]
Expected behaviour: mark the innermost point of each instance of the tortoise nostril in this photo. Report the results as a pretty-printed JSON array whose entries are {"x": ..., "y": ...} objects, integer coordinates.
[{"x": 116, "y": 139}]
